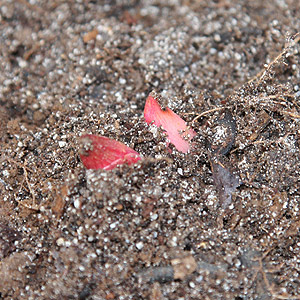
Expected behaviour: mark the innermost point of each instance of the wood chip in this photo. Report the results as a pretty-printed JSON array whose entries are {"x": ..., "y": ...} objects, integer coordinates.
[
  {"x": 183, "y": 266},
  {"x": 90, "y": 36}
]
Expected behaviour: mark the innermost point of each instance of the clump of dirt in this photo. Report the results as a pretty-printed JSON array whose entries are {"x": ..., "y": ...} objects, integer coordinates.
[{"x": 219, "y": 222}]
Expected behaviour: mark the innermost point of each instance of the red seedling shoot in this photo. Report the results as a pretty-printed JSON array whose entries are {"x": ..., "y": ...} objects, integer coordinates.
[
  {"x": 99, "y": 152},
  {"x": 176, "y": 129}
]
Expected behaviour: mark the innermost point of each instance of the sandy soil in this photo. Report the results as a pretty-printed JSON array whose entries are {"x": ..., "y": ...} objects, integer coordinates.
[{"x": 220, "y": 222}]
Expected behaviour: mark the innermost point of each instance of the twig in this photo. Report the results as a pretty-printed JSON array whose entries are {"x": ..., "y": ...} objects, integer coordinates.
[
  {"x": 205, "y": 113},
  {"x": 261, "y": 75},
  {"x": 33, "y": 206},
  {"x": 261, "y": 270},
  {"x": 293, "y": 115}
]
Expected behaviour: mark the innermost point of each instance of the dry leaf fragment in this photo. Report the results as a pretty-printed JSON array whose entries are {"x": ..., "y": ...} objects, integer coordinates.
[
  {"x": 100, "y": 152},
  {"x": 176, "y": 129}
]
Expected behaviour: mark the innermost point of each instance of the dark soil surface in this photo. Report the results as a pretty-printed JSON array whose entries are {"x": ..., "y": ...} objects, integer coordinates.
[{"x": 220, "y": 222}]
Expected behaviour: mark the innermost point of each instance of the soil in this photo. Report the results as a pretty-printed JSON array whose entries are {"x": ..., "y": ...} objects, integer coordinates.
[{"x": 220, "y": 222}]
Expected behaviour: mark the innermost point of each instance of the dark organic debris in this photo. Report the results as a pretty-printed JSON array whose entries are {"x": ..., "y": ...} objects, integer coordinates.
[
  {"x": 229, "y": 122},
  {"x": 160, "y": 274},
  {"x": 226, "y": 183},
  {"x": 175, "y": 270},
  {"x": 7, "y": 238}
]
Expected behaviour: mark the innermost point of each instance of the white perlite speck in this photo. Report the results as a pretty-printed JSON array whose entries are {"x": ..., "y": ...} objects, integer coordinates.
[
  {"x": 62, "y": 144},
  {"x": 60, "y": 242},
  {"x": 180, "y": 172},
  {"x": 77, "y": 204},
  {"x": 139, "y": 245}
]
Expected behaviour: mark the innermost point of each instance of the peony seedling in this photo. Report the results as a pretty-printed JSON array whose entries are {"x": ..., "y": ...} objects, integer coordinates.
[
  {"x": 176, "y": 129},
  {"x": 99, "y": 152}
]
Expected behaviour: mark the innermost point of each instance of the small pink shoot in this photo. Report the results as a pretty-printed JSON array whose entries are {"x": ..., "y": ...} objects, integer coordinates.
[
  {"x": 176, "y": 129},
  {"x": 99, "y": 152}
]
